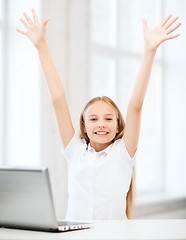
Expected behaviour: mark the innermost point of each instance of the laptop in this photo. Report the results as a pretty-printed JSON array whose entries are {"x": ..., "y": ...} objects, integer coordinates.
[{"x": 26, "y": 201}]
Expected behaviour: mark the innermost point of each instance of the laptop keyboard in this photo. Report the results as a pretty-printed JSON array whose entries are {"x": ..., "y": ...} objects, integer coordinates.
[{"x": 66, "y": 225}]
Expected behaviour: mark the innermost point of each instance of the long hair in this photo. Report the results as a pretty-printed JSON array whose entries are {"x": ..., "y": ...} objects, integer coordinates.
[{"x": 121, "y": 128}]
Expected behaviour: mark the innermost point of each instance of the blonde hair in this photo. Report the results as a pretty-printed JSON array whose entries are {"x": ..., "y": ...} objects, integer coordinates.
[{"x": 121, "y": 128}]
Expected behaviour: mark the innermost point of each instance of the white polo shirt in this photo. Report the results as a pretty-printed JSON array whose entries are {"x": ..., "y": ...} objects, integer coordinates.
[{"x": 98, "y": 182}]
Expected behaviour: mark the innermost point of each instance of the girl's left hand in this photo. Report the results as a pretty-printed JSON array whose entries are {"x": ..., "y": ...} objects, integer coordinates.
[{"x": 154, "y": 37}]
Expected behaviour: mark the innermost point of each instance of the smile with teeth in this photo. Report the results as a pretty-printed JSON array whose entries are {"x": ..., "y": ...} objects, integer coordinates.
[{"x": 101, "y": 133}]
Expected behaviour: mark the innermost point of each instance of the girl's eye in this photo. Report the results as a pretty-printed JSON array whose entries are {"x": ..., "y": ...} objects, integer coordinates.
[
  {"x": 93, "y": 119},
  {"x": 109, "y": 119}
]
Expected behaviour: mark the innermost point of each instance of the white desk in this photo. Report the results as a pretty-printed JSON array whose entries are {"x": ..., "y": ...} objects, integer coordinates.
[{"x": 111, "y": 230}]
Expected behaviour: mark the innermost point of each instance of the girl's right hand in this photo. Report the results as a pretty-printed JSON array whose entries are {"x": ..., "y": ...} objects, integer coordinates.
[{"x": 35, "y": 32}]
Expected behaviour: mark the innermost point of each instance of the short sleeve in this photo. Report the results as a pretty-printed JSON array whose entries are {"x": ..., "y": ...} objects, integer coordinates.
[
  {"x": 123, "y": 150},
  {"x": 74, "y": 147}
]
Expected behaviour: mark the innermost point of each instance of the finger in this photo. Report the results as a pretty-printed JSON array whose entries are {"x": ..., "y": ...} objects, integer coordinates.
[
  {"x": 170, "y": 23},
  {"x": 166, "y": 20},
  {"x": 36, "y": 19},
  {"x": 24, "y": 23},
  {"x": 173, "y": 36},
  {"x": 173, "y": 28},
  {"x": 28, "y": 19},
  {"x": 45, "y": 23},
  {"x": 145, "y": 25},
  {"x": 20, "y": 31}
]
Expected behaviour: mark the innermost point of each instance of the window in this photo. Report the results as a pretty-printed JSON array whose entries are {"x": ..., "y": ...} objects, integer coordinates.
[
  {"x": 1, "y": 80},
  {"x": 20, "y": 88},
  {"x": 116, "y": 52}
]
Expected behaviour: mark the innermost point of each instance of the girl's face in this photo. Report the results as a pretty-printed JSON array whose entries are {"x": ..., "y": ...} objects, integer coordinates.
[{"x": 100, "y": 125}]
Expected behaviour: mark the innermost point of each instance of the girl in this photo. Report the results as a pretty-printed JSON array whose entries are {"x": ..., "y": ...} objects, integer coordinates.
[{"x": 101, "y": 159}]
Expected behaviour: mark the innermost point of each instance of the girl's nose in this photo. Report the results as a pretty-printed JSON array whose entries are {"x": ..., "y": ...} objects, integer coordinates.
[{"x": 100, "y": 124}]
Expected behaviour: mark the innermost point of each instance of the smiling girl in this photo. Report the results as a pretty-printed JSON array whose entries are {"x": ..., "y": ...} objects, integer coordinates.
[{"x": 101, "y": 158}]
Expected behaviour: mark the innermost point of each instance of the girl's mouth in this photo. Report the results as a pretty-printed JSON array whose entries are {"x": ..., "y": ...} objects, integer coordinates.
[{"x": 101, "y": 133}]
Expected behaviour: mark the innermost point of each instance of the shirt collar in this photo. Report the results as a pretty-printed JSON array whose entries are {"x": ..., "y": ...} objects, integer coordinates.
[{"x": 106, "y": 150}]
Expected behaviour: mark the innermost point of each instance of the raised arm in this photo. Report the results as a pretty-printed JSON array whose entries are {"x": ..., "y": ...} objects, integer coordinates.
[
  {"x": 153, "y": 38},
  {"x": 37, "y": 34}
]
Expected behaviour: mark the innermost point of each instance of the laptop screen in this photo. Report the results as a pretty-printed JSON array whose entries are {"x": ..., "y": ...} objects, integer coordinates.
[{"x": 26, "y": 199}]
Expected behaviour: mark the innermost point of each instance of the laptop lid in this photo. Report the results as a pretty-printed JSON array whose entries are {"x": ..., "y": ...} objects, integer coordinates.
[{"x": 26, "y": 199}]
